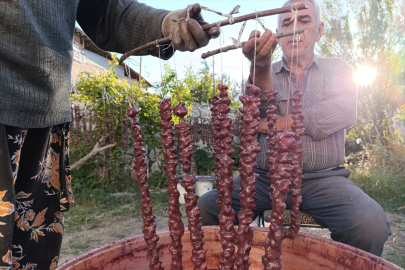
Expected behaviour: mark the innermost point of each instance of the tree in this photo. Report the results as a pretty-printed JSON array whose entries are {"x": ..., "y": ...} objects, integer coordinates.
[
  {"x": 106, "y": 96},
  {"x": 201, "y": 84},
  {"x": 370, "y": 33}
]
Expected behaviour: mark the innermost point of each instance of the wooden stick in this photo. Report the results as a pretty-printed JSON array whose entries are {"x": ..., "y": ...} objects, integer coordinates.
[
  {"x": 93, "y": 152},
  {"x": 207, "y": 27},
  {"x": 241, "y": 44}
]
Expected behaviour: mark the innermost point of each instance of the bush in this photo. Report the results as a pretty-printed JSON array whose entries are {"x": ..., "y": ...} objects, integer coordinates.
[
  {"x": 110, "y": 170},
  {"x": 204, "y": 160},
  {"x": 380, "y": 171},
  {"x": 157, "y": 180}
]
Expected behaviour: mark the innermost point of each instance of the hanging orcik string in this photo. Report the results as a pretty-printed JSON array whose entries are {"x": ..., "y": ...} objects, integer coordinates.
[
  {"x": 161, "y": 73},
  {"x": 243, "y": 90},
  {"x": 220, "y": 49},
  {"x": 128, "y": 71},
  {"x": 213, "y": 75},
  {"x": 294, "y": 9},
  {"x": 175, "y": 71},
  {"x": 238, "y": 42},
  {"x": 296, "y": 64}
]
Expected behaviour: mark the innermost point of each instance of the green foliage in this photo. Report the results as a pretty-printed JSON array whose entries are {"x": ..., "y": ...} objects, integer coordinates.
[
  {"x": 105, "y": 95},
  {"x": 379, "y": 170},
  {"x": 236, "y": 156},
  {"x": 205, "y": 162},
  {"x": 95, "y": 205},
  {"x": 149, "y": 117},
  {"x": 175, "y": 88},
  {"x": 105, "y": 88},
  {"x": 157, "y": 180},
  {"x": 202, "y": 86},
  {"x": 110, "y": 170},
  {"x": 370, "y": 33},
  {"x": 105, "y": 92},
  {"x": 197, "y": 86},
  {"x": 234, "y": 90}
]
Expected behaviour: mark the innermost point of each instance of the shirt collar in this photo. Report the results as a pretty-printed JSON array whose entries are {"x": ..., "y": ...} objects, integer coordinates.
[{"x": 280, "y": 65}]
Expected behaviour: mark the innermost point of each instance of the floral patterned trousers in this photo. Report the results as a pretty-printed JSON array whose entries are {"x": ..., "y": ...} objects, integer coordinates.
[{"x": 35, "y": 190}]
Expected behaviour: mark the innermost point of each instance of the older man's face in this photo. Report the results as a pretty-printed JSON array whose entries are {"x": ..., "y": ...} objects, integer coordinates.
[{"x": 306, "y": 17}]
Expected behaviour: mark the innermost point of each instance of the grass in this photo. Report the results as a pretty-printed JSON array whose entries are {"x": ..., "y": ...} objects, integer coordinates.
[
  {"x": 85, "y": 223},
  {"x": 93, "y": 206},
  {"x": 386, "y": 188},
  {"x": 380, "y": 171},
  {"x": 79, "y": 244},
  {"x": 397, "y": 254},
  {"x": 396, "y": 258}
]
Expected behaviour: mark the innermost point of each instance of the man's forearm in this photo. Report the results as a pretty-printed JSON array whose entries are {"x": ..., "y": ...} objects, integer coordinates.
[
  {"x": 337, "y": 110},
  {"x": 136, "y": 22}
]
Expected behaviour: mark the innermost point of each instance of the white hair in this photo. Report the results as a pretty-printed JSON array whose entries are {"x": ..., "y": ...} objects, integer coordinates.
[{"x": 318, "y": 10}]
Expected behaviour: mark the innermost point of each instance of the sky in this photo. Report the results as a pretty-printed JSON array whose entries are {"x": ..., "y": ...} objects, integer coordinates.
[{"x": 232, "y": 61}]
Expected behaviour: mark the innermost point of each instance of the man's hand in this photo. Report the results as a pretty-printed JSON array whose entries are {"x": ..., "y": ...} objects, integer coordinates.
[
  {"x": 280, "y": 124},
  {"x": 187, "y": 35},
  {"x": 265, "y": 46}
]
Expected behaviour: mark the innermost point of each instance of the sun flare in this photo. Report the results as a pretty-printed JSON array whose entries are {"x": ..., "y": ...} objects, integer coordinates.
[{"x": 365, "y": 75}]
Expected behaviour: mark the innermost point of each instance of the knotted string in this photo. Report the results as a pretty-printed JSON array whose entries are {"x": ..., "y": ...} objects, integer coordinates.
[
  {"x": 213, "y": 74},
  {"x": 161, "y": 73},
  {"x": 220, "y": 47},
  {"x": 175, "y": 71},
  {"x": 128, "y": 71},
  {"x": 237, "y": 42},
  {"x": 294, "y": 9},
  {"x": 229, "y": 15},
  {"x": 261, "y": 22},
  {"x": 254, "y": 55},
  {"x": 243, "y": 90},
  {"x": 298, "y": 37}
]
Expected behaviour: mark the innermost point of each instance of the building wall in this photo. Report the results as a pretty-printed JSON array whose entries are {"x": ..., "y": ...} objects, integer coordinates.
[{"x": 84, "y": 60}]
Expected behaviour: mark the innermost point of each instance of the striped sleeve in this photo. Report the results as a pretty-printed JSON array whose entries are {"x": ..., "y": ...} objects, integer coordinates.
[{"x": 337, "y": 110}]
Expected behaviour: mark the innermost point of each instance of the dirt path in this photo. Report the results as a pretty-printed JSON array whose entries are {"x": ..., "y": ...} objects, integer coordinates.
[{"x": 78, "y": 240}]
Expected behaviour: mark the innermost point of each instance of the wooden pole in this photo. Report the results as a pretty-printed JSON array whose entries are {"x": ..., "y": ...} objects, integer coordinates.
[
  {"x": 241, "y": 44},
  {"x": 207, "y": 27}
]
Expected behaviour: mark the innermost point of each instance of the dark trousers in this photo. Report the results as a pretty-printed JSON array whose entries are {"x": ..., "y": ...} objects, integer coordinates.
[
  {"x": 330, "y": 198},
  {"x": 35, "y": 189}
]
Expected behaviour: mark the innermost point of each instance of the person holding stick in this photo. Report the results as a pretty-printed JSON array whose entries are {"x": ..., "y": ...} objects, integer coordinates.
[
  {"x": 35, "y": 85},
  {"x": 329, "y": 107}
]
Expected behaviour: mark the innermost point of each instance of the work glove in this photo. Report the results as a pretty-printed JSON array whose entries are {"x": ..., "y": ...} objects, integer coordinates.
[{"x": 184, "y": 28}]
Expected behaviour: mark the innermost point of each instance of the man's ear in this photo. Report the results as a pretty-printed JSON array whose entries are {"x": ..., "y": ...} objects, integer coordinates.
[{"x": 319, "y": 31}]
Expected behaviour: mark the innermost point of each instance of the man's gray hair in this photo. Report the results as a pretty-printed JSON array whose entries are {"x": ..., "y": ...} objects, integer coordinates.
[{"x": 315, "y": 3}]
